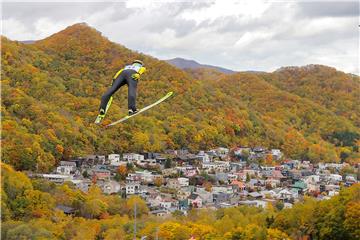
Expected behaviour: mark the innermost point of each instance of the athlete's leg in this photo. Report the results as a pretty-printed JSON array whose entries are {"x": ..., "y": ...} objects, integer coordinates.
[
  {"x": 132, "y": 85},
  {"x": 119, "y": 81}
]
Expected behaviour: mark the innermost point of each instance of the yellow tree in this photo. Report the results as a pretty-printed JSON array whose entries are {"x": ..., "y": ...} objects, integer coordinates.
[{"x": 122, "y": 171}]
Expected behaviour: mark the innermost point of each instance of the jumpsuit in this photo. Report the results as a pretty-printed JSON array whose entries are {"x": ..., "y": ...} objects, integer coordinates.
[{"x": 125, "y": 77}]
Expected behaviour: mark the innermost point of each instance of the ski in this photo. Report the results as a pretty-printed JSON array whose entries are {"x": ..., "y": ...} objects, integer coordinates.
[
  {"x": 99, "y": 118},
  {"x": 141, "y": 110}
]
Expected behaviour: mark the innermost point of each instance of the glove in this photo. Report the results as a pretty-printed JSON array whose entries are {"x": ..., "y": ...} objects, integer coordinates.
[{"x": 135, "y": 76}]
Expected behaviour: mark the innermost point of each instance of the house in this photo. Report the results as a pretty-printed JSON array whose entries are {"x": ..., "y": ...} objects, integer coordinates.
[
  {"x": 300, "y": 187},
  {"x": 219, "y": 166},
  {"x": 221, "y": 152},
  {"x": 143, "y": 176},
  {"x": 184, "y": 193},
  {"x": 190, "y": 171},
  {"x": 183, "y": 182},
  {"x": 56, "y": 178},
  {"x": 169, "y": 172},
  {"x": 66, "y": 167},
  {"x": 82, "y": 184},
  {"x": 114, "y": 159},
  {"x": 203, "y": 157},
  {"x": 195, "y": 201},
  {"x": 101, "y": 174},
  {"x": 221, "y": 197},
  {"x": 206, "y": 197},
  {"x": 335, "y": 177},
  {"x": 160, "y": 212},
  {"x": 238, "y": 185},
  {"x": 268, "y": 194},
  {"x": 169, "y": 204},
  {"x": 173, "y": 183},
  {"x": 239, "y": 152},
  {"x": 237, "y": 166},
  {"x": 221, "y": 177},
  {"x": 65, "y": 209},
  {"x": 255, "y": 203},
  {"x": 255, "y": 195},
  {"x": 147, "y": 162},
  {"x": 109, "y": 187},
  {"x": 241, "y": 176},
  {"x": 276, "y": 174},
  {"x": 285, "y": 194},
  {"x": 272, "y": 182},
  {"x": 65, "y": 170},
  {"x": 183, "y": 205},
  {"x": 154, "y": 200},
  {"x": 350, "y": 178},
  {"x": 226, "y": 189},
  {"x": 132, "y": 188},
  {"x": 276, "y": 153},
  {"x": 132, "y": 157}
]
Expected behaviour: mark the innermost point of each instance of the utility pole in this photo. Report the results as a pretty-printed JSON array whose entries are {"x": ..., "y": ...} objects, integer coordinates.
[
  {"x": 157, "y": 233},
  {"x": 135, "y": 221}
]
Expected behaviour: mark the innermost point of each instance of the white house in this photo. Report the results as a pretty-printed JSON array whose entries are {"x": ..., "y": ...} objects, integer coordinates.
[
  {"x": 183, "y": 182},
  {"x": 66, "y": 167},
  {"x": 66, "y": 170},
  {"x": 285, "y": 194},
  {"x": 145, "y": 176},
  {"x": 221, "y": 151},
  {"x": 132, "y": 157},
  {"x": 82, "y": 184},
  {"x": 335, "y": 177},
  {"x": 110, "y": 187},
  {"x": 57, "y": 178},
  {"x": 144, "y": 162},
  {"x": 204, "y": 157},
  {"x": 132, "y": 188},
  {"x": 255, "y": 203},
  {"x": 220, "y": 166},
  {"x": 168, "y": 203},
  {"x": 276, "y": 153},
  {"x": 114, "y": 159}
]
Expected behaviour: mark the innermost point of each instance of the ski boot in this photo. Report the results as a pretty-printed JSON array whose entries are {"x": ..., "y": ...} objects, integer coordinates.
[
  {"x": 100, "y": 117},
  {"x": 132, "y": 112}
]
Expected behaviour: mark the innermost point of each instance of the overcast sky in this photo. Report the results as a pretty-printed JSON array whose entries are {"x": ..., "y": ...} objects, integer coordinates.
[{"x": 239, "y": 35}]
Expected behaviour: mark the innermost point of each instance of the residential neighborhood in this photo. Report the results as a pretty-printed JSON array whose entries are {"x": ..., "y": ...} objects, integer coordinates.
[{"x": 179, "y": 180}]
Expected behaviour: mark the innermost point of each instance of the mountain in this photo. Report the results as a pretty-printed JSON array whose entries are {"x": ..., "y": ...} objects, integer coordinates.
[
  {"x": 51, "y": 93},
  {"x": 28, "y": 41},
  {"x": 191, "y": 64}
]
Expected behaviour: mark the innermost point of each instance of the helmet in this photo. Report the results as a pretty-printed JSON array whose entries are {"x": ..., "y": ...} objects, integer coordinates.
[{"x": 139, "y": 62}]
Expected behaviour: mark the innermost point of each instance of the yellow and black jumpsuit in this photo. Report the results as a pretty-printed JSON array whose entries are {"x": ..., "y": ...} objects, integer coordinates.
[{"x": 129, "y": 75}]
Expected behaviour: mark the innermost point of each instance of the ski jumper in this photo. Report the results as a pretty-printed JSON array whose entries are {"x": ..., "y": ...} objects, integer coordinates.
[{"x": 129, "y": 75}]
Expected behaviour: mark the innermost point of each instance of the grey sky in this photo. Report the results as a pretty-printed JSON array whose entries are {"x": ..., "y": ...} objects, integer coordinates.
[{"x": 240, "y": 35}]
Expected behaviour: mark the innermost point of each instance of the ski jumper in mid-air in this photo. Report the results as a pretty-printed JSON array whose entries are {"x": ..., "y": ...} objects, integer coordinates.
[{"x": 129, "y": 75}]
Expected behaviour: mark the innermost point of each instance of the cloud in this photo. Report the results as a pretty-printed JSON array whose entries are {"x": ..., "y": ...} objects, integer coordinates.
[
  {"x": 240, "y": 35},
  {"x": 329, "y": 9}
]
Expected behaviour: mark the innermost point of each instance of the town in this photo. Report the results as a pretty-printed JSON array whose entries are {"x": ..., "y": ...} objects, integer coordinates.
[{"x": 176, "y": 181}]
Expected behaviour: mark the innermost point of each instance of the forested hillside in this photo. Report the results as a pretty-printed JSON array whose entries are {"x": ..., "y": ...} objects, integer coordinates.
[
  {"x": 29, "y": 212},
  {"x": 335, "y": 90},
  {"x": 51, "y": 92}
]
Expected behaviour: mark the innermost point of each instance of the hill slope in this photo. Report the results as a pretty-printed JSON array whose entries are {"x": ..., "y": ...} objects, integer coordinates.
[
  {"x": 51, "y": 93},
  {"x": 335, "y": 90}
]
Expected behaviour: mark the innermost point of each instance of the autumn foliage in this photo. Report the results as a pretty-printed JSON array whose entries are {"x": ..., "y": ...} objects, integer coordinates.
[
  {"x": 30, "y": 211},
  {"x": 51, "y": 91}
]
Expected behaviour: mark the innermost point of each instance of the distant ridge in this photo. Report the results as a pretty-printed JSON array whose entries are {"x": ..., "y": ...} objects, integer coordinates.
[
  {"x": 186, "y": 64},
  {"x": 28, "y": 41}
]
